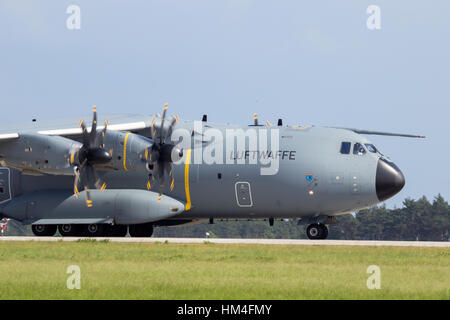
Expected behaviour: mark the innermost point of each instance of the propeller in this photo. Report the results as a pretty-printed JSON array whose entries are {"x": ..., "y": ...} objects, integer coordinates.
[
  {"x": 91, "y": 154},
  {"x": 162, "y": 153}
]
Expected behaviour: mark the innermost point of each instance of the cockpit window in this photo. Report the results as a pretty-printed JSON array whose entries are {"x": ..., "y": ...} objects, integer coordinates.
[
  {"x": 359, "y": 149},
  {"x": 371, "y": 148},
  {"x": 345, "y": 147}
]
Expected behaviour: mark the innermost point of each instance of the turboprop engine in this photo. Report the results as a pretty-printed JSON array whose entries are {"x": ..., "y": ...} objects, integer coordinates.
[{"x": 39, "y": 154}]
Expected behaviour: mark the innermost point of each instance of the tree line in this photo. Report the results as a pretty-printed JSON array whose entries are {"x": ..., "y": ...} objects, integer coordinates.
[
  {"x": 419, "y": 219},
  {"x": 415, "y": 220}
]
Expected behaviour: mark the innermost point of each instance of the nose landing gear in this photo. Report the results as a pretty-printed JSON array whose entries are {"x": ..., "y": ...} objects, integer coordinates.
[{"x": 317, "y": 231}]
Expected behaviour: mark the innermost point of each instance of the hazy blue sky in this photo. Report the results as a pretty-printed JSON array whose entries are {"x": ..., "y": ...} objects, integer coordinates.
[{"x": 313, "y": 63}]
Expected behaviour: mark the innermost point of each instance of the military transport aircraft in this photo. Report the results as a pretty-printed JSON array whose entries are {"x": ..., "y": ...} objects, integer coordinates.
[{"x": 99, "y": 180}]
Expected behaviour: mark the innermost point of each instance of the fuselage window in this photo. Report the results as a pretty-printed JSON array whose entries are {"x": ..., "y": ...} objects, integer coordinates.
[
  {"x": 345, "y": 147},
  {"x": 371, "y": 148},
  {"x": 358, "y": 149}
]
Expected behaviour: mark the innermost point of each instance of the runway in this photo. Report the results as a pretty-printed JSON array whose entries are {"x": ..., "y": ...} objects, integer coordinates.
[{"x": 374, "y": 243}]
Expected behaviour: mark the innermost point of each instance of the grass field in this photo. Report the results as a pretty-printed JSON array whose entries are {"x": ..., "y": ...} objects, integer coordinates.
[{"x": 37, "y": 270}]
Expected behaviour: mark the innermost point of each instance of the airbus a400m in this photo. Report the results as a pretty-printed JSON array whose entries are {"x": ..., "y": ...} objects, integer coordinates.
[{"x": 136, "y": 172}]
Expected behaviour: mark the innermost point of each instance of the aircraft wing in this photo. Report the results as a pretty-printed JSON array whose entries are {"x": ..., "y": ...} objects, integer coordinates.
[
  {"x": 9, "y": 136},
  {"x": 69, "y": 128}
]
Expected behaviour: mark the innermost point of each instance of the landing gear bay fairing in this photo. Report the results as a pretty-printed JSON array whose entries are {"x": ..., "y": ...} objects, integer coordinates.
[{"x": 131, "y": 173}]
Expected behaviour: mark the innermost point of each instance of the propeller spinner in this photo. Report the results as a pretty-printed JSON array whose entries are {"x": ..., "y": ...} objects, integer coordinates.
[
  {"x": 162, "y": 153},
  {"x": 91, "y": 154}
]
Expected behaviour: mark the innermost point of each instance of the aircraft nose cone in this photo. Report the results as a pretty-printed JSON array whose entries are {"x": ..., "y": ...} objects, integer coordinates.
[{"x": 389, "y": 179}]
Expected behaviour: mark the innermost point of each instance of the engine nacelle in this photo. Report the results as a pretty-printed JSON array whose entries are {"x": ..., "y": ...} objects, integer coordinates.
[
  {"x": 39, "y": 154},
  {"x": 128, "y": 150}
]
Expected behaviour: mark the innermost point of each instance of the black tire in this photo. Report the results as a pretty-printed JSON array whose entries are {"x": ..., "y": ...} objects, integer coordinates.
[
  {"x": 324, "y": 231},
  {"x": 117, "y": 230},
  {"x": 314, "y": 231},
  {"x": 141, "y": 230},
  {"x": 95, "y": 230},
  {"x": 70, "y": 230},
  {"x": 44, "y": 230}
]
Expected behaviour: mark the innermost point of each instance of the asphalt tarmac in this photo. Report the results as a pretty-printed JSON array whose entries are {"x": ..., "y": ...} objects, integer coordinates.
[{"x": 249, "y": 241}]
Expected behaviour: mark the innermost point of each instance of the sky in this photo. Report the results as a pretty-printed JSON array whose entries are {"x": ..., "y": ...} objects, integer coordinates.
[{"x": 314, "y": 63}]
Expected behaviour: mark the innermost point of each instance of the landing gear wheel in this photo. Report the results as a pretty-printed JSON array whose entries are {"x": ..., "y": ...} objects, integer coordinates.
[
  {"x": 324, "y": 234},
  {"x": 117, "y": 230},
  {"x": 94, "y": 230},
  {"x": 69, "y": 230},
  {"x": 44, "y": 230},
  {"x": 317, "y": 231},
  {"x": 313, "y": 231},
  {"x": 141, "y": 230}
]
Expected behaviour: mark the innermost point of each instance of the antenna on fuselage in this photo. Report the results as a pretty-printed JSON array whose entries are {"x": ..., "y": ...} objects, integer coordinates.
[{"x": 255, "y": 119}]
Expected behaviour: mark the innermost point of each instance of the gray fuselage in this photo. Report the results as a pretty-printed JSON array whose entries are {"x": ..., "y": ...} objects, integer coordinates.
[{"x": 321, "y": 172}]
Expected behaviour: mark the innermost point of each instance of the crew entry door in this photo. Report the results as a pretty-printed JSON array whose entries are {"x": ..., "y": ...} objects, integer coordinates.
[{"x": 243, "y": 194}]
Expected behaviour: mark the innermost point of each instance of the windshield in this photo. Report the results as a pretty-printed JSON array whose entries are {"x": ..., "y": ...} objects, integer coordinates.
[
  {"x": 371, "y": 148},
  {"x": 359, "y": 149},
  {"x": 346, "y": 147}
]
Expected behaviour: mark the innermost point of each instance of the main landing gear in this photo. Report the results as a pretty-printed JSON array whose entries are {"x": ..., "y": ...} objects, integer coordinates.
[
  {"x": 92, "y": 230},
  {"x": 44, "y": 230},
  {"x": 317, "y": 231},
  {"x": 141, "y": 230}
]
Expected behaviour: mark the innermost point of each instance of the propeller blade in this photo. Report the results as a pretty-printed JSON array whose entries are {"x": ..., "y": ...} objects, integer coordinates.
[
  {"x": 161, "y": 176},
  {"x": 92, "y": 174},
  {"x": 152, "y": 130},
  {"x": 153, "y": 154},
  {"x": 76, "y": 182},
  {"x": 151, "y": 180},
  {"x": 169, "y": 169},
  {"x": 101, "y": 137},
  {"x": 160, "y": 155},
  {"x": 93, "y": 136},
  {"x": 85, "y": 133},
  {"x": 162, "y": 123},
  {"x": 99, "y": 184},
  {"x": 153, "y": 174},
  {"x": 91, "y": 153},
  {"x": 169, "y": 131}
]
